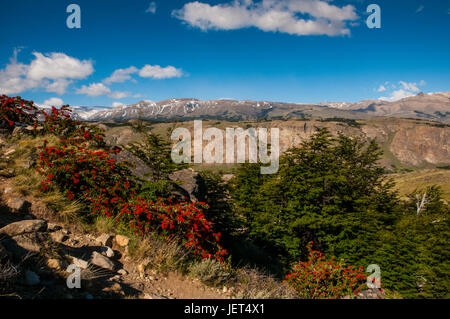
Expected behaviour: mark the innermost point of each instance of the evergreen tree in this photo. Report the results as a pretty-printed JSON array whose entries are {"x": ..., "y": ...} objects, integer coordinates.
[
  {"x": 155, "y": 152},
  {"x": 329, "y": 190}
]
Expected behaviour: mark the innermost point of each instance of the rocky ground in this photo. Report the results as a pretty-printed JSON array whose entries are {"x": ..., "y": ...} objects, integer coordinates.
[{"x": 35, "y": 252}]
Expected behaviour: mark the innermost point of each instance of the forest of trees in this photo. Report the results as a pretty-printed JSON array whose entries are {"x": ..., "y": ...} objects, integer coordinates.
[{"x": 333, "y": 191}]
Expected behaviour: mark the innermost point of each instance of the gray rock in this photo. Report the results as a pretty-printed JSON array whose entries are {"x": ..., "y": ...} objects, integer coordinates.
[
  {"x": 18, "y": 205},
  {"x": 102, "y": 261},
  {"x": 191, "y": 182},
  {"x": 109, "y": 252},
  {"x": 31, "y": 278},
  {"x": 22, "y": 245},
  {"x": 122, "y": 272},
  {"x": 53, "y": 227},
  {"x": 24, "y": 227},
  {"x": 105, "y": 240},
  {"x": 59, "y": 236},
  {"x": 122, "y": 241},
  {"x": 139, "y": 169},
  {"x": 83, "y": 264}
]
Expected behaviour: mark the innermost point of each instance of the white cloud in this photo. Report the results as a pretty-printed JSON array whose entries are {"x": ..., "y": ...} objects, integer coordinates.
[
  {"x": 53, "y": 72},
  {"x": 319, "y": 17},
  {"x": 94, "y": 89},
  {"x": 151, "y": 8},
  {"x": 58, "y": 86},
  {"x": 397, "y": 95},
  {"x": 54, "y": 101},
  {"x": 118, "y": 95},
  {"x": 13, "y": 78},
  {"x": 420, "y": 9},
  {"x": 382, "y": 88},
  {"x": 121, "y": 75},
  {"x": 409, "y": 86},
  {"x": 58, "y": 66},
  {"x": 406, "y": 89},
  {"x": 157, "y": 72},
  {"x": 97, "y": 89}
]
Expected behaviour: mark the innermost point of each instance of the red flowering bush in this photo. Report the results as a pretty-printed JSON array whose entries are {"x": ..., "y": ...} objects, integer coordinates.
[
  {"x": 60, "y": 123},
  {"x": 16, "y": 110},
  {"x": 107, "y": 187},
  {"x": 325, "y": 279},
  {"x": 175, "y": 220},
  {"x": 86, "y": 174},
  {"x": 82, "y": 170}
]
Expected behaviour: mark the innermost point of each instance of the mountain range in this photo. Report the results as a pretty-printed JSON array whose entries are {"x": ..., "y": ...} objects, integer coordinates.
[{"x": 430, "y": 106}]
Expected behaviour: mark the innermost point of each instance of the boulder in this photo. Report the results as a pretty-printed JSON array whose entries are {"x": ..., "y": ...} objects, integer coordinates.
[
  {"x": 105, "y": 240},
  {"x": 24, "y": 227},
  {"x": 58, "y": 237},
  {"x": 53, "y": 227},
  {"x": 102, "y": 261},
  {"x": 122, "y": 241},
  {"x": 18, "y": 205},
  {"x": 122, "y": 272},
  {"x": 21, "y": 245},
  {"x": 139, "y": 168},
  {"x": 191, "y": 182},
  {"x": 107, "y": 251},
  {"x": 83, "y": 264}
]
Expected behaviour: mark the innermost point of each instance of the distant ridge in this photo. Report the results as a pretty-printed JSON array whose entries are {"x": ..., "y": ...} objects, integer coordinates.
[{"x": 435, "y": 107}]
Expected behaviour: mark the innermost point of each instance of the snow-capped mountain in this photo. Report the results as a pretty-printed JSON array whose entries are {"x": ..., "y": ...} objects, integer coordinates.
[{"x": 434, "y": 106}]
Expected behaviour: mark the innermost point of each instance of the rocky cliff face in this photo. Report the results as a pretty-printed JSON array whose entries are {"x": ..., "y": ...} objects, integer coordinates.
[
  {"x": 411, "y": 143},
  {"x": 421, "y": 144},
  {"x": 404, "y": 142}
]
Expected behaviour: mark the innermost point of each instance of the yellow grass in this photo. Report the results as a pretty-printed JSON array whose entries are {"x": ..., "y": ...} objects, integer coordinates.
[{"x": 407, "y": 182}]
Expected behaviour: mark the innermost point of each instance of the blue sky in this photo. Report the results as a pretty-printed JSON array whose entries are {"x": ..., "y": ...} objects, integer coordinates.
[{"x": 278, "y": 50}]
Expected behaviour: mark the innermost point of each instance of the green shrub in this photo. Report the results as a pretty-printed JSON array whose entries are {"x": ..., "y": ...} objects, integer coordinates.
[{"x": 210, "y": 272}]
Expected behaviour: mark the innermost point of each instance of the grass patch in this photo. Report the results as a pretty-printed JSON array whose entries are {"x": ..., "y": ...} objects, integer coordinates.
[
  {"x": 210, "y": 272},
  {"x": 406, "y": 183},
  {"x": 159, "y": 255}
]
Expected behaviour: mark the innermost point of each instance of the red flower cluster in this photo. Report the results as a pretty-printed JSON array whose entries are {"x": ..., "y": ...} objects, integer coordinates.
[
  {"x": 59, "y": 122},
  {"x": 15, "y": 110},
  {"x": 182, "y": 220},
  {"x": 325, "y": 279}
]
